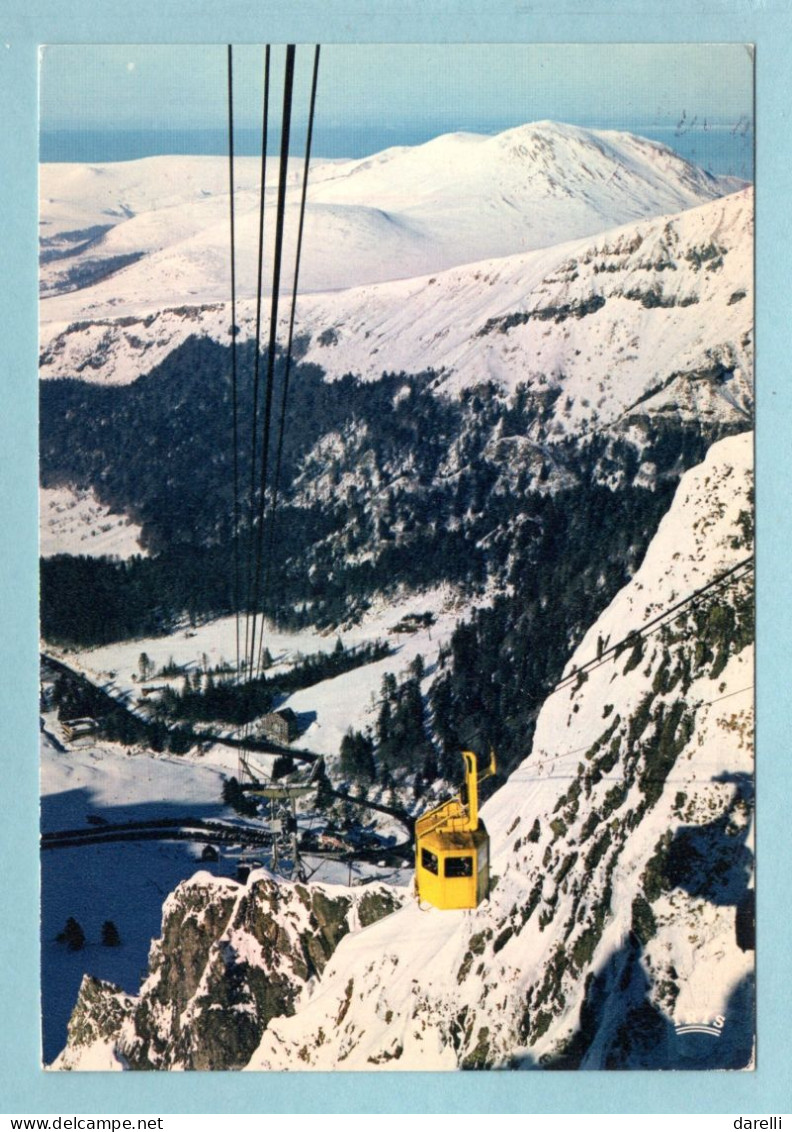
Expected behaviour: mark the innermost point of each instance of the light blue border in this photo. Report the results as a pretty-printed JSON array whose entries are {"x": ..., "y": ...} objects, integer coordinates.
[{"x": 25, "y": 24}]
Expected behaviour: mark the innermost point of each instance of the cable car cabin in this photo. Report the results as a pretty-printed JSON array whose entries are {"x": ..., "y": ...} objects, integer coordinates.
[{"x": 452, "y": 847}]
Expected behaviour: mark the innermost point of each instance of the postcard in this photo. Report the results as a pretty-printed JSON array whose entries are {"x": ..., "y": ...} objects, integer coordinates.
[{"x": 396, "y": 410}]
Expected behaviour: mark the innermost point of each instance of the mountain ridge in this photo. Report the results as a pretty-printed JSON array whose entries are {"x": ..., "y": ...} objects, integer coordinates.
[{"x": 393, "y": 215}]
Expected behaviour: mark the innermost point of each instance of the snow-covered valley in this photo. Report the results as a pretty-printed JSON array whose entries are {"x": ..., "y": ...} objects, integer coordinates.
[
  {"x": 526, "y": 370},
  {"x": 92, "y": 784}
]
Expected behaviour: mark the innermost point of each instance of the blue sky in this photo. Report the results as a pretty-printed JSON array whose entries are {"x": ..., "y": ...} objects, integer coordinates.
[{"x": 447, "y": 86}]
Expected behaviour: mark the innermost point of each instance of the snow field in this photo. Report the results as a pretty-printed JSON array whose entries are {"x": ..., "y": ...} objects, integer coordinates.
[{"x": 75, "y": 522}]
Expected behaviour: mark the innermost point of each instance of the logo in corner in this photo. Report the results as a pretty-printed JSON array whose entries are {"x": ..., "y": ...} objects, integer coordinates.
[{"x": 713, "y": 1028}]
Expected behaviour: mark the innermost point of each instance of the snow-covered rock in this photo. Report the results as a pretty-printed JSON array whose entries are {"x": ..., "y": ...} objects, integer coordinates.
[{"x": 231, "y": 957}]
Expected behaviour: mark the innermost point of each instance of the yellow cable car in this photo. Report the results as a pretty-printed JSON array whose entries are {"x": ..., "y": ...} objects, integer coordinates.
[{"x": 452, "y": 847}]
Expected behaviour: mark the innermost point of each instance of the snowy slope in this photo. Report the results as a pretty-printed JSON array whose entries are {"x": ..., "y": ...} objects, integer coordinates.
[
  {"x": 75, "y": 522},
  {"x": 505, "y": 984},
  {"x": 141, "y": 235},
  {"x": 327, "y": 709},
  {"x": 541, "y": 183}
]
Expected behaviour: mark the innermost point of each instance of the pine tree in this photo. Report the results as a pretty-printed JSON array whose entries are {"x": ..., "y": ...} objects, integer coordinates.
[
  {"x": 110, "y": 936},
  {"x": 357, "y": 756},
  {"x": 72, "y": 935},
  {"x": 417, "y": 668},
  {"x": 234, "y": 796},
  {"x": 384, "y": 723}
]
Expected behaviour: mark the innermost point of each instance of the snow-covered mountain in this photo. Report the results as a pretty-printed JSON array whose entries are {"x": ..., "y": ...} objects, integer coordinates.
[
  {"x": 622, "y": 849},
  {"x": 134, "y": 237},
  {"x": 611, "y": 360}
]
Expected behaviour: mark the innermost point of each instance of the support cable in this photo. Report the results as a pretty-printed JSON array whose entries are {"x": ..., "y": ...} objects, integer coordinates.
[
  {"x": 636, "y": 634},
  {"x": 288, "y": 84},
  {"x": 235, "y": 427},
  {"x": 287, "y": 371},
  {"x": 257, "y": 353}
]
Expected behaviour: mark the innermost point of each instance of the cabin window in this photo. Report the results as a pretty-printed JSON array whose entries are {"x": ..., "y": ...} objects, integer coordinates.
[
  {"x": 459, "y": 867},
  {"x": 429, "y": 861}
]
